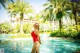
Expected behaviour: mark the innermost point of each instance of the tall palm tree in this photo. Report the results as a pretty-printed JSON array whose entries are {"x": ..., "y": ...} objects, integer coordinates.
[
  {"x": 58, "y": 9},
  {"x": 21, "y": 8},
  {"x": 75, "y": 10}
]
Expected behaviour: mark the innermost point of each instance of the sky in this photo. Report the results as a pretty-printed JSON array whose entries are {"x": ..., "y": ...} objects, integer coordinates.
[{"x": 36, "y": 4}]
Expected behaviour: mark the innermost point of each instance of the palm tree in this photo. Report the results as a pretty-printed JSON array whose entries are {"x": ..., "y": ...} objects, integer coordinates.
[
  {"x": 58, "y": 9},
  {"x": 50, "y": 12},
  {"x": 75, "y": 10},
  {"x": 21, "y": 8}
]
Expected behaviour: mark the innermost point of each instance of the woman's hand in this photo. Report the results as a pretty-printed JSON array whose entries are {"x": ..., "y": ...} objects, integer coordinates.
[{"x": 39, "y": 40}]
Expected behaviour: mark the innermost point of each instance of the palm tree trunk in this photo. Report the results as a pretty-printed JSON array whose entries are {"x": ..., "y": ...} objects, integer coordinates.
[
  {"x": 75, "y": 20},
  {"x": 60, "y": 25},
  {"x": 21, "y": 26},
  {"x": 74, "y": 13},
  {"x": 21, "y": 23},
  {"x": 51, "y": 26}
]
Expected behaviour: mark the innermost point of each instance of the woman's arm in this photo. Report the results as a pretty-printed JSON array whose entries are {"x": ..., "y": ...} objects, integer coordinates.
[
  {"x": 39, "y": 40},
  {"x": 37, "y": 32}
]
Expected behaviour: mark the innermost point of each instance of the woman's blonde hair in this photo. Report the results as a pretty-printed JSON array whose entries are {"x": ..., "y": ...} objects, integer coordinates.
[{"x": 36, "y": 25}]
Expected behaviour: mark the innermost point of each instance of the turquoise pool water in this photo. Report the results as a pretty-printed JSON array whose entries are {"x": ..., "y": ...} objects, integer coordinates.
[{"x": 49, "y": 45}]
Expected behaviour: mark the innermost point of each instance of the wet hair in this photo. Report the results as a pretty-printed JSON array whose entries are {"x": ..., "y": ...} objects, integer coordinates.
[{"x": 36, "y": 25}]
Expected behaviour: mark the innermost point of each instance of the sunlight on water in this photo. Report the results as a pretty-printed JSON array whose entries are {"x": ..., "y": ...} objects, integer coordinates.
[{"x": 49, "y": 45}]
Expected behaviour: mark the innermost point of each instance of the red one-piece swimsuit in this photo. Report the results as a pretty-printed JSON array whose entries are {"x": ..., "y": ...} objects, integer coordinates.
[{"x": 34, "y": 36}]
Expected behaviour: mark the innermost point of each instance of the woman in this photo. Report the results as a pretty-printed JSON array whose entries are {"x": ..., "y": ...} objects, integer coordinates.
[{"x": 36, "y": 38}]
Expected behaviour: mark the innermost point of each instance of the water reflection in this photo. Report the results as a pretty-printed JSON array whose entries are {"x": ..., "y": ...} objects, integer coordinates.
[{"x": 49, "y": 45}]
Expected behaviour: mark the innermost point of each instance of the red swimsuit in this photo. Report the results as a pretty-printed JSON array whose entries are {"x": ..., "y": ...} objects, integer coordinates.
[{"x": 35, "y": 38}]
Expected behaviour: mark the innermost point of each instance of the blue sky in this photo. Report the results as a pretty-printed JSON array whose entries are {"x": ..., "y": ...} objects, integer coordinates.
[{"x": 36, "y": 4}]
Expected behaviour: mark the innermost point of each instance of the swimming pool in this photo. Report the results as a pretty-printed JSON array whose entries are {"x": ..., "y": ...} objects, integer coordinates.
[{"x": 49, "y": 45}]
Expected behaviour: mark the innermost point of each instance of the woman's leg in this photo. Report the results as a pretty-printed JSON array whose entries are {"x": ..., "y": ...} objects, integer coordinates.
[
  {"x": 37, "y": 48},
  {"x": 34, "y": 47}
]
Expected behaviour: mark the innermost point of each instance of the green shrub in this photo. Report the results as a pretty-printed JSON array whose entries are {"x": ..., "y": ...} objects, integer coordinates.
[
  {"x": 27, "y": 27},
  {"x": 5, "y": 28},
  {"x": 78, "y": 35},
  {"x": 53, "y": 34},
  {"x": 65, "y": 33}
]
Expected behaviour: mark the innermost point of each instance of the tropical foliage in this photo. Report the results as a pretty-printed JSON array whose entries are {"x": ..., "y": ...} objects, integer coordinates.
[
  {"x": 60, "y": 9},
  {"x": 27, "y": 28},
  {"x": 5, "y": 28},
  {"x": 55, "y": 11},
  {"x": 66, "y": 34},
  {"x": 19, "y": 8},
  {"x": 3, "y": 2}
]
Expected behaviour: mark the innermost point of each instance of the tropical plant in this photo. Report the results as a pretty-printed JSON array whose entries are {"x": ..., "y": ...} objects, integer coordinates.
[
  {"x": 65, "y": 33},
  {"x": 75, "y": 9},
  {"x": 4, "y": 2},
  {"x": 58, "y": 9},
  {"x": 20, "y": 8},
  {"x": 5, "y": 27},
  {"x": 48, "y": 13},
  {"x": 27, "y": 27}
]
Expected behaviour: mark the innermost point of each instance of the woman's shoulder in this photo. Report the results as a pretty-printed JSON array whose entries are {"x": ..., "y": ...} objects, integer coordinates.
[{"x": 32, "y": 31}]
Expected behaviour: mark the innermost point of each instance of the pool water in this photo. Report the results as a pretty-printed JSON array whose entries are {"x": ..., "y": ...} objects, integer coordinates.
[{"x": 49, "y": 45}]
